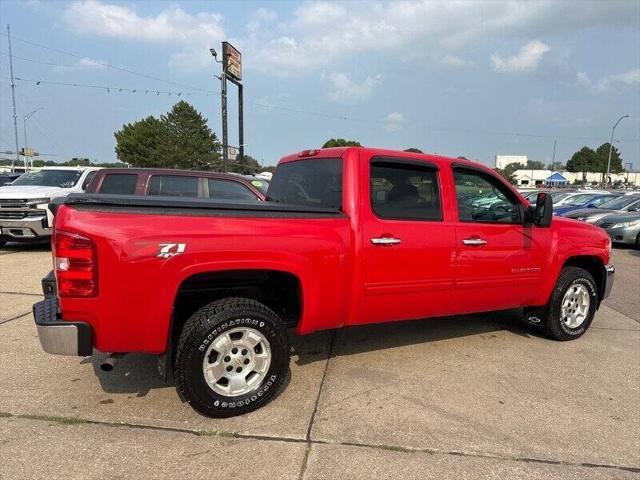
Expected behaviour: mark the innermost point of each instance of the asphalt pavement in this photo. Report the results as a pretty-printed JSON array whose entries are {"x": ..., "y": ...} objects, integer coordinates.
[{"x": 458, "y": 398}]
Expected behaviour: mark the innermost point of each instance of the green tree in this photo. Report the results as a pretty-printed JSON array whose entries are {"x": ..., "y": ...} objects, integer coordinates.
[
  {"x": 189, "y": 143},
  {"x": 140, "y": 144},
  {"x": 555, "y": 166},
  {"x": 603, "y": 156},
  {"x": 535, "y": 165},
  {"x": 584, "y": 160},
  {"x": 340, "y": 142},
  {"x": 247, "y": 165},
  {"x": 413, "y": 150},
  {"x": 179, "y": 139},
  {"x": 508, "y": 172}
]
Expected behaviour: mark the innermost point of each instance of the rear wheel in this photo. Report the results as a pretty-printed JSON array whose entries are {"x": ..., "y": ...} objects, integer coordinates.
[
  {"x": 232, "y": 357},
  {"x": 572, "y": 306},
  {"x": 638, "y": 242}
]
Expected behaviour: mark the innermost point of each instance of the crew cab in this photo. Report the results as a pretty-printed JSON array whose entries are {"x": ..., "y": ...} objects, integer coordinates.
[
  {"x": 347, "y": 236},
  {"x": 24, "y": 216},
  {"x": 178, "y": 183}
]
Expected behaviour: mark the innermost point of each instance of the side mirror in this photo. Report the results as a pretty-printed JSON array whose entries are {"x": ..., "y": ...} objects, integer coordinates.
[{"x": 543, "y": 212}]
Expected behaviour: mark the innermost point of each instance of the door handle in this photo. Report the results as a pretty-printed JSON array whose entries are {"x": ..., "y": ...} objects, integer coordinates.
[
  {"x": 474, "y": 242},
  {"x": 385, "y": 241}
]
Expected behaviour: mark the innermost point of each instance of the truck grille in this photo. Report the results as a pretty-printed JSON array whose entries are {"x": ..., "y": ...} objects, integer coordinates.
[
  {"x": 13, "y": 203},
  {"x": 20, "y": 214}
]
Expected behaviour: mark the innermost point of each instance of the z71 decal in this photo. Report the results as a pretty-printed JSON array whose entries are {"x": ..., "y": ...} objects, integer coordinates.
[{"x": 171, "y": 249}]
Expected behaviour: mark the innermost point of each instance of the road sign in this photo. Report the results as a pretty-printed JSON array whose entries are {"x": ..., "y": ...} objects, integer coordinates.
[
  {"x": 232, "y": 153},
  {"x": 231, "y": 61}
]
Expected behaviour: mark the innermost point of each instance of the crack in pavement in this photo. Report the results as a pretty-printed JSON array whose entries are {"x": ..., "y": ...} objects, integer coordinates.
[
  {"x": 270, "y": 438},
  {"x": 15, "y": 318},
  {"x": 22, "y": 293},
  {"x": 307, "y": 452}
]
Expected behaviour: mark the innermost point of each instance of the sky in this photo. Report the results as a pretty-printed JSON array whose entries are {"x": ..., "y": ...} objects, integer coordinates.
[{"x": 466, "y": 78}]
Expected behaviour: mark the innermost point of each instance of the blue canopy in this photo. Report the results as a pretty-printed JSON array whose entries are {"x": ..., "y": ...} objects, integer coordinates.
[{"x": 556, "y": 177}]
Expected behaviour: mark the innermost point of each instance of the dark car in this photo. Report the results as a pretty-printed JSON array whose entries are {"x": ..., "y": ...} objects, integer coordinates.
[
  {"x": 584, "y": 200},
  {"x": 8, "y": 177},
  {"x": 622, "y": 204},
  {"x": 174, "y": 183}
]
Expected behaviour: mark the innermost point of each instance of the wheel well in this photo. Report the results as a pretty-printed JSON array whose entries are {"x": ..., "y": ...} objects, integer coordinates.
[
  {"x": 594, "y": 266},
  {"x": 280, "y": 291}
]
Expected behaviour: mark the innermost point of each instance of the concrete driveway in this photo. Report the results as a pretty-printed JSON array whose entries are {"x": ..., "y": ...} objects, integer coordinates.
[{"x": 448, "y": 398}]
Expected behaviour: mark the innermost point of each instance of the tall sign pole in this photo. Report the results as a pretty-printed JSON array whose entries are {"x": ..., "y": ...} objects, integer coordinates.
[
  {"x": 225, "y": 133},
  {"x": 240, "y": 122},
  {"x": 13, "y": 97}
]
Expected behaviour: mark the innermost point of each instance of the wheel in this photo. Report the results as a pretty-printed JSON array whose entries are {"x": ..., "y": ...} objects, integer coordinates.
[
  {"x": 572, "y": 306},
  {"x": 232, "y": 357},
  {"x": 638, "y": 242},
  {"x": 2, "y": 243}
]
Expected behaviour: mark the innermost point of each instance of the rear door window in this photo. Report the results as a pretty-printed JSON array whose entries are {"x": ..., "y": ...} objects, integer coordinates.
[
  {"x": 119, "y": 183},
  {"x": 173, "y": 186},
  {"x": 229, "y": 190}
]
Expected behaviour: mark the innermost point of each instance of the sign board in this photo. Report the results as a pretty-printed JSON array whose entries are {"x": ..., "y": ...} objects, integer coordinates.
[
  {"x": 231, "y": 61},
  {"x": 232, "y": 153}
]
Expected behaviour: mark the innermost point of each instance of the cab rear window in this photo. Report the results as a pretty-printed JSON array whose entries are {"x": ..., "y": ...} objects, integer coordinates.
[{"x": 311, "y": 182}]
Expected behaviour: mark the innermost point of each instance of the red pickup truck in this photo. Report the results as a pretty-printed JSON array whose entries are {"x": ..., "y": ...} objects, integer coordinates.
[{"x": 347, "y": 236}]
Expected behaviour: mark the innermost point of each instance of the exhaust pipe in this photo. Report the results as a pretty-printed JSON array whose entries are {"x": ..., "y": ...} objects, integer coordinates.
[{"x": 111, "y": 360}]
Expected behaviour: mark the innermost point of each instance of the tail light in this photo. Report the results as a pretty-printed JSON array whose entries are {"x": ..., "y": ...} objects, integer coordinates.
[{"x": 76, "y": 265}]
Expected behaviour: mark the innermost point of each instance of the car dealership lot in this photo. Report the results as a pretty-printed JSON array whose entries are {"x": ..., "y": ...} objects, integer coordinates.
[{"x": 470, "y": 397}]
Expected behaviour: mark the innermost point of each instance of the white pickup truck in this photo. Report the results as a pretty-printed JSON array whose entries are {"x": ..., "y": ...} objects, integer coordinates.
[{"x": 24, "y": 215}]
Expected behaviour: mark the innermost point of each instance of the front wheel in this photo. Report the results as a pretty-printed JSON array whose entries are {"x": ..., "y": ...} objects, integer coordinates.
[
  {"x": 572, "y": 306},
  {"x": 232, "y": 357}
]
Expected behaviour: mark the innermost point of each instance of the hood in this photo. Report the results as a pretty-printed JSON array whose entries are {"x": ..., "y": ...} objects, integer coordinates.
[
  {"x": 587, "y": 212},
  {"x": 32, "y": 191},
  {"x": 622, "y": 217}
]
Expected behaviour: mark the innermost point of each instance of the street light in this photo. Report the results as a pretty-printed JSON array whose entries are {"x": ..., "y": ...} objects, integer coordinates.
[
  {"x": 606, "y": 179},
  {"x": 24, "y": 127}
]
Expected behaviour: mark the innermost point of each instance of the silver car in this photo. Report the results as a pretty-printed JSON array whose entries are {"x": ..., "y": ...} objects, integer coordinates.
[
  {"x": 622, "y": 228},
  {"x": 615, "y": 206}
]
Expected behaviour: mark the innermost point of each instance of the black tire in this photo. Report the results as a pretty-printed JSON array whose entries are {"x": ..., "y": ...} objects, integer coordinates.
[
  {"x": 552, "y": 323},
  {"x": 201, "y": 330},
  {"x": 638, "y": 242},
  {"x": 3, "y": 242}
]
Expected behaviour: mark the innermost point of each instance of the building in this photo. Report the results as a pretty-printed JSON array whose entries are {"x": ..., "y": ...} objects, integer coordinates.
[
  {"x": 504, "y": 160},
  {"x": 546, "y": 178}
]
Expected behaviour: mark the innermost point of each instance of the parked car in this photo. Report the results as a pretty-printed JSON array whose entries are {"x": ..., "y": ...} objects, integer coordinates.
[
  {"x": 622, "y": 204},
  {"x": 175, "y": 183},
  {"x": 24, "y": 216},
  {"x": 584, "y": 200},
  {"x": 351, "y": 236},
  {"x": 8, "y": 177},
  {"x": 622, "y": 228}
]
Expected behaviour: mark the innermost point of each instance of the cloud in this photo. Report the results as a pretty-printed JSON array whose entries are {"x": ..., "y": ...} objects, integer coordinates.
[
  {"x": 192, "y": 34},
  {"x": 394, "y": 121},
  {"x": 617, "y": 82},
  {"x": 344, "y": 89},
  {"x": 454, "y": 61},
  {"x": 324, "y": 33},
  {"x": 84, "y": 63},
  {"x": 620, "y": 81},
  {"x": 526, "y": 60}
]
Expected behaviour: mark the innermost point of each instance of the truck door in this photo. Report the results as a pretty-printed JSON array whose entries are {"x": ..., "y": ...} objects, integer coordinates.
[
  {"x": 500, "y": 261},
  {"x": 407, "y": 242}
]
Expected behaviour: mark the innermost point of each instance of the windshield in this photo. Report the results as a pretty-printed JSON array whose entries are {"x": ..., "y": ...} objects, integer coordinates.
[
  {"x": 557, "y": 196},
  {"x": 50, "y": 178},
  {"x": 316, "y": 182},
  {"x": 619, "y": 203},
  {"x": 581, "y": 199},
  {"x": 260, "y": 183}
]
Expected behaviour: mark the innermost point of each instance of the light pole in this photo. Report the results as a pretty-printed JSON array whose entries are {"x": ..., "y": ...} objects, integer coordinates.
[
  {"x": 24, "y": 127},
  {"x": 606, "y": 179},
  {"x": 223, "y": 93}
]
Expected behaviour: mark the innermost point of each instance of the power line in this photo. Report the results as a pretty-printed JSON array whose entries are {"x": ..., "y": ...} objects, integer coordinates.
[
  {"x": 108, "y": 65},
  {"x": 110, "y": 88}
]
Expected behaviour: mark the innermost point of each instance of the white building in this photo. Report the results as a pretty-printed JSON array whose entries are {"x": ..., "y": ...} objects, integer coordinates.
[
  {"x": 504, "y": 160},
  {"x": 538, "y": 178}
]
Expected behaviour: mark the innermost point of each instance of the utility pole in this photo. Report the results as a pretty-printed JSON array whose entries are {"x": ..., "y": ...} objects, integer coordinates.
[
  {"x": 240, "y": 122},
  {"x": 553, "y": 158},
  {"x": 606, "y": 179},
  {"x": 28, "y": 163},
  {"x": 13, "y": 97}
]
